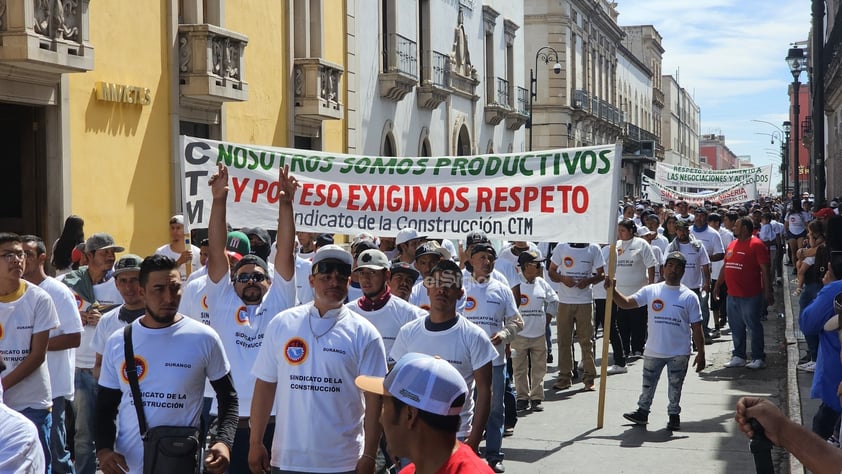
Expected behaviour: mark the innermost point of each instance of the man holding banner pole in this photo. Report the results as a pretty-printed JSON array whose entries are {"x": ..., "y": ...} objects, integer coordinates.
[{"x": 242, "y": 300}]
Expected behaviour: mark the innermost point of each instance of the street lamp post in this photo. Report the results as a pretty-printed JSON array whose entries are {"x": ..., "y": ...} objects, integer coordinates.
[
  {"x": 546, "y": 54},
  {"x": 785, "y": 155},
  {"x": 796, "y": 61}
]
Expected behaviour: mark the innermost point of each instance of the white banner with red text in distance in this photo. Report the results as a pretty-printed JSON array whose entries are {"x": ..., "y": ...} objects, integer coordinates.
[{"x": 551, "y": 195}]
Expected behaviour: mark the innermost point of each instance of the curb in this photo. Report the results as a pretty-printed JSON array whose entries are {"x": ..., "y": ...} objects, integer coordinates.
[{"x": 792, "y": 356}]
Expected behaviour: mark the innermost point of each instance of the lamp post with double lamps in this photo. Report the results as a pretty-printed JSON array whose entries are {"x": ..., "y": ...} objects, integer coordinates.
[
  {"x": 797, "y": 62},
  {"x": 783, "y": 137},
  {"x": 546, "y": 54}
]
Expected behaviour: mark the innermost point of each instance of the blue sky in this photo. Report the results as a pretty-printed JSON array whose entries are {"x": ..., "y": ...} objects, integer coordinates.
[{"x": 730, "y": 57}]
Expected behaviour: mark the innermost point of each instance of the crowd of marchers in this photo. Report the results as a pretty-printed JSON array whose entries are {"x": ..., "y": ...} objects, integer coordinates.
[{"x": 410, "y": 353}]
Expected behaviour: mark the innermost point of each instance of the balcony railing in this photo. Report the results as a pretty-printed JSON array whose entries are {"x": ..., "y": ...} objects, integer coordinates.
[
  {"x": 497, "y": 106},
  {"x": 502, "y": 92},
  {"x": 581, "y": 100},
  {"x": 635, "y": 133},
  {"x": 46, "y": 36},
  {"x": 519, "y": 114},
  {"x": 317, "y": 89},
  {"x": 211, "y": 63},
  {"x": 439, "y": 69},
  {"x": 522, "y": 104},
  {"x": 400, "y": 64},
  {"x": 435, "y": 83}
]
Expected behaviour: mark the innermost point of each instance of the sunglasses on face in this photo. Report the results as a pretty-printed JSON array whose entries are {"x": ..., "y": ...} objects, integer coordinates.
[
  {"x": 247, "y": 277},
  {"x": 342, "y": 269}
]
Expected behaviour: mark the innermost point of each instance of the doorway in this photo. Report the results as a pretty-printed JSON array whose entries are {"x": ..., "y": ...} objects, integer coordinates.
[{"x": 23, "y": 197}]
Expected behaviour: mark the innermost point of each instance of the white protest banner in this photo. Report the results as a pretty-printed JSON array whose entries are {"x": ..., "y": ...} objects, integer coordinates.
[
  {"x": 551, "y": 195},
  {"x": 673, "y": 176},
  {"x": 740, "y": 192}
]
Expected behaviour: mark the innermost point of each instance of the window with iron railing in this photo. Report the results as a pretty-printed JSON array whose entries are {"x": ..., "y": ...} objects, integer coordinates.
[
  {"x": 502, "y": 92},
  {"x": 522, "y": 101},
  {"x": 440, "y": 70},
  {"x": 404, "y": 55}
]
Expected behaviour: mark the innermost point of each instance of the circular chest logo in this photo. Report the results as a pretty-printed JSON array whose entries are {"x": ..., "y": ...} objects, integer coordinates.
[
  {"x": 524, "y": 300},
  {"x": 79, "y": 302},
  {"x": 568, "y": 262},
  {"x": 140, "y": 365},
  {"x": 470, "y": 303},
  {"x": 730, "y": 253},
  {"x": 658, "y": 306},
  {"x": 242, "y": 315},
  {"x": 620, "y": 251},
  {"x": 296, "y": 351},
  {"x": 205, "y": 302}
]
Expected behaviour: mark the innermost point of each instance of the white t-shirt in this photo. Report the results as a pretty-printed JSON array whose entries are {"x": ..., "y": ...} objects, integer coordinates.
[
  {"x": 20, "y": 448},
  {"x": 797, "y": 222},
  {"x": 61, "y": 363},
  {"x": 672, "y": 309},
  {"x": 711, "y": 240},
  {"x": 194, "y": 300},
  {"x": 314, "y": 360},
  {"x": 697, "y": 257},
  {"x": 659, "y": 256},
  {"x": 716, "y": 267},
  {"x": 173, "y": 364},
  {"x": 106, "y": 294},
  {"x": 660, "y": 241},
  {"x": 634, "y": 258},
  {"x": 303, "y": 290},
  {"x": 31, "y": 313},
  {"x": 490, "y": 305},
  {"x": 465, "y": 345},
  {"x": 389, "y": 319},
  {"x": 167, "y": 251},
  {"x": 534, "y": 298},
  {"x": 108, "y": 325},
  {"x": 242, "y": 328},
  {"x": 198, "y": 274},
  {"x": 599, "y": 292},
  {"x": 578, "y": 263}
]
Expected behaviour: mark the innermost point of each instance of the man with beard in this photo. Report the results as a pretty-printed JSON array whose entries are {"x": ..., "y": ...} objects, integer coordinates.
[
  {"x": 242, "y": 301},
  {"x": 377, "y": 305},
  {"x": 306, "y": 369},
  {"x": 174, "y": 356}
]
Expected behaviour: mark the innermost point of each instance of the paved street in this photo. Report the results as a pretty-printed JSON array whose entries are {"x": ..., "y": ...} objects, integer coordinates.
[{"x": 564, "y": 437}]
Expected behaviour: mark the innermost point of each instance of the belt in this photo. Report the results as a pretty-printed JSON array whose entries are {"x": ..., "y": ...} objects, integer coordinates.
[{"x": 244, "y": 422}]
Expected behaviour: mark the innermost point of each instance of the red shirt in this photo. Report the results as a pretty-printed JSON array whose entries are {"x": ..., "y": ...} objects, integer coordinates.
[
  {"x": 742, "y": 267},
  {"x": 463, "y": 461}
]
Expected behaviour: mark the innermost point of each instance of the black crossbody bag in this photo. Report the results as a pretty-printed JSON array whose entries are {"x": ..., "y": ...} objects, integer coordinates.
[{"x": 166, "y": 449}]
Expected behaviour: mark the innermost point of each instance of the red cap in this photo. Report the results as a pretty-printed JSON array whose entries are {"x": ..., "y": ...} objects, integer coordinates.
[{"x": 824, "y": 213}]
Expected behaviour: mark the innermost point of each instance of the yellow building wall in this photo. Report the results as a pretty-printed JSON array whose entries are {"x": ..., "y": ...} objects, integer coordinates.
[
  {"x": 120, "y": 165},
  {"x": 262, "y": 119},
  {"x": 335, "y": 46}
]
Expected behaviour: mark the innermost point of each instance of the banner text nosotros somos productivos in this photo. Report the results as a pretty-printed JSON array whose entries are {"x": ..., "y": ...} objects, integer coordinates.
[{"x": 514, "y": 195}]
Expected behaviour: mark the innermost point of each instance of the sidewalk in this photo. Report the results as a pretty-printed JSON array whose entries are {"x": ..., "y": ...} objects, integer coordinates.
[{"x": 564, "y": 437}]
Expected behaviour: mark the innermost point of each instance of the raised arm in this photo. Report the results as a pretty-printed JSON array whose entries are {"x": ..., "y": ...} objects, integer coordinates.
[
  {"x": 285, "y": 240},
  {"x": 217, "y": 228}
]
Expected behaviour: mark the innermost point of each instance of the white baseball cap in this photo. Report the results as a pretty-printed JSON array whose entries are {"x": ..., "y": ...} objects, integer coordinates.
[
  {"x": 406, "y": 234},
  {"x": 422, "y": 381},
  {"x": 333, "y": 252}
]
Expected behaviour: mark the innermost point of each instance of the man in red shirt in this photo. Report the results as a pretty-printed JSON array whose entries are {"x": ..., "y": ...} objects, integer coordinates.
[
  {"x": 746, "y": 273},
  {"x": 422, "y": 399}
]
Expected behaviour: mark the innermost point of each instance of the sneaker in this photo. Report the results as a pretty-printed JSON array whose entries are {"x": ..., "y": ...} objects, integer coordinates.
[
  {"x": 756, "y": 364},
  {"x": 715, "y": 334},
  {"x": 536, "y": 405},
  {"x": 708, "y": 339},
  {"x": 637, "y": 354},
  {"x": 675, "y": 423},
  {"x": 736, "y": 362},
  {"x": 522, "y": 405},
  {"x": 808, "y": 366},
  {"x": 508, "y": 431},
  {"x": 549, "y": 357},
  {"x": 497, "y": 466},
  {"x": 617, "y": 369},
  {"x": 561, "y": 385},
  {"x": 638, "y": 417},
  {"x": 804, "y": 359}
]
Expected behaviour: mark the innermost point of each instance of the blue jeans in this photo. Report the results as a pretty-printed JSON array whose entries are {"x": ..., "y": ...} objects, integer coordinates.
[
  {"x": 240, "y": 450},
  {"x": 808, "y": 294},
  {"x": 705, "y": 302},
  {"x": 84, "y": 405},
  {"x": 58, "y": 440},
  {"x": 676, "y": 371},
  {"x": 744, "y": 315},
  {"x": 43, "y": 422},
  {"x": 496, "y": 417}
]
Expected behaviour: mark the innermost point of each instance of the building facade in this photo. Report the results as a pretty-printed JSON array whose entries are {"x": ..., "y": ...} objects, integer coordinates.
[
  {"x": 715, "y": 154},
  {"x": 679, "y": 125},
  {"x": 93, "y": 97},
  {"x": 833, "y": 98}
]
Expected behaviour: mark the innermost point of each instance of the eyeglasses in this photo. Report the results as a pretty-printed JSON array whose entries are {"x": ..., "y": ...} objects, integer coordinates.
[
  {"x": 10, "y": 257},
  {"x": 247, "y": 277},
  {"x": 342, "y": 269}
]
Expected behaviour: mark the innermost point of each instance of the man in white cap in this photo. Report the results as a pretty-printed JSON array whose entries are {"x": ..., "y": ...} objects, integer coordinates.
[
  {"x": 427, "y": 256},
  {"x": 407, "y": 241},
  {"x": 422, "y": 399},
  {"x": 377, "y": 304},
  {"x": 179, "y": 249},
  {"x": 310, "y": 356}
]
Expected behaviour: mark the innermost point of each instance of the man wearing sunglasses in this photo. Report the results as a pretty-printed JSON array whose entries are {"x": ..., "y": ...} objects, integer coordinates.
[
  {"x": 306, "y": 368},
  {"x": 242, "y": 300}
]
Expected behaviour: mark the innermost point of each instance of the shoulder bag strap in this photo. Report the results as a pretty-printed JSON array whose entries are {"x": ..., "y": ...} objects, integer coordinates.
[{"x": 131, "y": 373}]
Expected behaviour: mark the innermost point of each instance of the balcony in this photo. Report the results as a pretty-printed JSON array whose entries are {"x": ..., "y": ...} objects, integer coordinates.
[
  {"x": 211, "y": 64},
  {"x": 317, "y": 89},
  {"x": 46, "y": 36},
  {"x": 400, "y": 68},
  {"x": 581, "y": 101},
  {"x": 497, "y": 109},
  {"x": 517, "y": 117},
  {"x": 435, "y": 87},
  {"x": 657, "y": 97}
]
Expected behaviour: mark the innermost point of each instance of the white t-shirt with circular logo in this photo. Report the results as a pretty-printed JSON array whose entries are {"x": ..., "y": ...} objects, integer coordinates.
[{"x": 672, "y": 309}]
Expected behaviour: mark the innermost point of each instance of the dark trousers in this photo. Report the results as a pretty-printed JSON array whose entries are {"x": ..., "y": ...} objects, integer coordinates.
[
  {"x": 824, "y": 421},
  {"x": 631, "y": 324}
]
